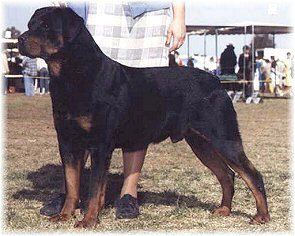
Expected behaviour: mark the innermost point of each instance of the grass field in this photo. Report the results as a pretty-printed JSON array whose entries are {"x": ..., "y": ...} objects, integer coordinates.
[{"x": 176, "y": 191}]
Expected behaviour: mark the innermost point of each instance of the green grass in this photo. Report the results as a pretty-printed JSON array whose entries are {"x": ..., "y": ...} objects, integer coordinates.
[{"x": 176, "y": 191}]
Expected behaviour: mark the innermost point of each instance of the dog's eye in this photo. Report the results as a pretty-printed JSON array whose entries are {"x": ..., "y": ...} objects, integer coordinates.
[{"x": 45, "y": 27}]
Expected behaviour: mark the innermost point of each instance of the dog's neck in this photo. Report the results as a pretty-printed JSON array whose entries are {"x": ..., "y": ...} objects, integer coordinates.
[{"x": 79, "y": 55}]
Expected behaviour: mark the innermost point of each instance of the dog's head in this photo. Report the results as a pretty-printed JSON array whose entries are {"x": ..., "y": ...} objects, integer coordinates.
[{"x": 50, "y": 29}]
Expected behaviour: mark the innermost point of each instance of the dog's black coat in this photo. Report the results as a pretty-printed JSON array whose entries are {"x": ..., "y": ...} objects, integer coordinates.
[
  {"x": 100, "y": 105},
  {"x": 142, "y": 105}
]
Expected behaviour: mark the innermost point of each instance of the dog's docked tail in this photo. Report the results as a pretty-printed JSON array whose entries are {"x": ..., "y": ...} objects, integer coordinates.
[{"x": 215, "y": 119}]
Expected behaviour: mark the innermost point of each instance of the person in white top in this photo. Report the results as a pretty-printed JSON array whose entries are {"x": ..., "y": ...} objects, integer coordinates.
[
  {"x": 44, "y": 75},
  {"x": 5, "y": 70},
  {"x": 41, "y": 64}
]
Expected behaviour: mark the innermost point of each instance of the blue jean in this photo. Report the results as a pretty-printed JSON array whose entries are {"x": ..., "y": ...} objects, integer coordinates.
[
  {"x": 44, "y": 83},
  {"x": 4, "y": 84},
  {"x": 29, "y": 85}
]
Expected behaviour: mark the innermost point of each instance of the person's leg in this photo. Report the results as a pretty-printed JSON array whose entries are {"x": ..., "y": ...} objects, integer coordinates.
[
  {"x": 133, "y": 162},
  {"x": 47, "y": 86},
  {"x": 248, "y": 86},
  {"x": 32, "y": 87},
  {"x": 127, "y": 206},
  {"x": 29, "y": 85},
  {"x": 42, "y": 82},
  {"x": 262, "y": 83},
  {"x": 46, "y": 82},
  {"x": 4, "y": 84},
  {"x": 25, "y": 84}
]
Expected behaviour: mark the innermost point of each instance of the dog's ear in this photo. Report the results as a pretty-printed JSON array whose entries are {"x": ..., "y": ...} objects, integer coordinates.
[
  {"x": 38, "y": 15},
  {"x": 71, "y": 24}
]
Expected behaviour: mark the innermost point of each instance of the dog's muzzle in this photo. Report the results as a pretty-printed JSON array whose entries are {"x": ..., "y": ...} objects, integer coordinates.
[{"x": 21, "y": 44}]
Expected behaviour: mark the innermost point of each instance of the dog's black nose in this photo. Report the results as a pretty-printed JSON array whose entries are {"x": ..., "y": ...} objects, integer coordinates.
[
  {"x": 21, "y": 43},
  {"x": 21, "y": 39}
]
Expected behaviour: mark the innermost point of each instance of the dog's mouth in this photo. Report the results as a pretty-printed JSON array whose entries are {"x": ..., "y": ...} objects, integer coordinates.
[
  {"x": 21, "y": 49},
  {"x": 29, "y": 46},
  {"x": 35, "y": 47},
  {"x": 21, "y": 46}
]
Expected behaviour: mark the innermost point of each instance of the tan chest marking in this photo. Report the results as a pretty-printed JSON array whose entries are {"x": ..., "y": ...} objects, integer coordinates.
[
  {"x": 84, "y": 122},
  {"x": 50, "y": 48},
  {"x": 54, "y": 67}
]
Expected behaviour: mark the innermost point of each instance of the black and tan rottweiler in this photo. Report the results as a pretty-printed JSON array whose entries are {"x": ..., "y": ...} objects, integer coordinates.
[{"x": 99, "y": 105}]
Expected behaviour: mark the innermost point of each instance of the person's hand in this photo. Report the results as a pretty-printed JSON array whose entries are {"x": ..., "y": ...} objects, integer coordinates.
[{"x": 176, "y": 31}]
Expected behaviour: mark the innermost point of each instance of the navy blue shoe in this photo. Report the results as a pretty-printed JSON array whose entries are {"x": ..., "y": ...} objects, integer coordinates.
[
  {"x": 127, "y": 207},
  {"x": 56, "y": 204},
  {"x": 54, "y": 207}
]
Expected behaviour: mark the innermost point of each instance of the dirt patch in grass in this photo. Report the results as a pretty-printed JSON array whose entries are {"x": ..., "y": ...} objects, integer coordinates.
[{"x": 176, "y": 191}]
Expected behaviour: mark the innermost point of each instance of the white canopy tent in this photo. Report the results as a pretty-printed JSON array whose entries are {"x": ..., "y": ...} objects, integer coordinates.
[{"x": 243, "y": 28}]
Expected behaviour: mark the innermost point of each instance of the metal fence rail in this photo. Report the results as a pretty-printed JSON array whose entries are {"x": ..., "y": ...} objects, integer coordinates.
[
  {"x": 221, "y": 81},
  {"x": 21, "y": 76}
]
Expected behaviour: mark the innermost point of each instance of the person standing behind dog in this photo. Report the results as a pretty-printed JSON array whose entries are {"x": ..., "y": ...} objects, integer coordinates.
[
  {"x": 43, "y": 72},
  {"x": 5, "y": 71},
  {"x": 245, "y": 66},
  {"x": 135, "y": 34},
  {"x": 228, "y": 60},
  {"x": 190, "y": 63},
  {"x": 289, "y": 70},
  {"x": 29, "y": 71}
]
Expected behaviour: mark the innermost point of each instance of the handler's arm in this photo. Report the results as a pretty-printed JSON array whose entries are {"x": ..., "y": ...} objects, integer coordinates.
[{"x": 177, "y": 27}]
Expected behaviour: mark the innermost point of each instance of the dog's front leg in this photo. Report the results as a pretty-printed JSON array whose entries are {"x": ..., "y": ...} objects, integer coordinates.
[
  {"x": 100, "y": 161},
  {"x": 72, "y": 163},
  {"x": 102, "y": 144}
]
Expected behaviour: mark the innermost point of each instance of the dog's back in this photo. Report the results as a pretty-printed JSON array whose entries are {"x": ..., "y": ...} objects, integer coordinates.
[{"x": 166, "y": 102}]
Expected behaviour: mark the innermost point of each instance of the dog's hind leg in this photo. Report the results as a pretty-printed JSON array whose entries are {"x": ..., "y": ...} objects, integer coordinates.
[
  {"x": 224, "y": 174},
  {"x": 214, "y": 118},
  {"x": 244, "y": 167}
]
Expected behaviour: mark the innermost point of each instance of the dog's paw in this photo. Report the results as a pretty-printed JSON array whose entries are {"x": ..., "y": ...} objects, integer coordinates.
[
  {"x": 260, "y": 219},
  {"x": 60, "y": 218},
  {"x": 222, "y": 211},
  {"x": 86, "y": 223}
]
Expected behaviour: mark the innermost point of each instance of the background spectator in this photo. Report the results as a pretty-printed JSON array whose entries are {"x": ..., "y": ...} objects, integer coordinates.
[
  {"x": 259, "y": 65},
  {"x": 289, "y": 65},
  {"x": 190, "y": 63},
  {"x": 228, "y": 60},
  {"x": 265, "y": 75},
  {"x": 29, "y": 70},
  {"x": 5, "y": 70},
  {"x": 245, "y": 60},
  {"x": 43, "y": 72}
]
